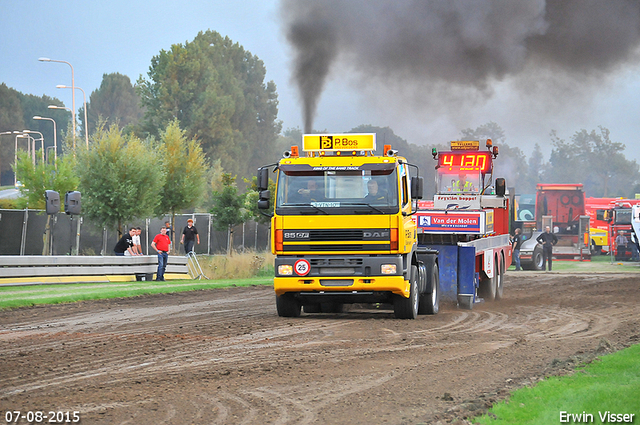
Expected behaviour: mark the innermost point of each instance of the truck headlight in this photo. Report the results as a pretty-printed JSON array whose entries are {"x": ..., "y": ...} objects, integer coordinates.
[
  {"x": 388, "y": 269},
  {"x": 285, "y": 269}
]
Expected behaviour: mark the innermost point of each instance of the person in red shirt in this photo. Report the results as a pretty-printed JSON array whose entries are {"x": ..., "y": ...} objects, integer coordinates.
[{"x": 161, "y": 244}]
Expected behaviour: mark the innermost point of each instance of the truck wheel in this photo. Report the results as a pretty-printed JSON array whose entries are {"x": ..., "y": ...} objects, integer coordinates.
[
  {"x": 537, "y": 259},
  {"x": 487, "y": 289},
  {"x": 430, "y": 300},
  {"x": 287, "y": 305},
  {"x": 407, "y": 308},
  {"x": 500, "y": 281}
]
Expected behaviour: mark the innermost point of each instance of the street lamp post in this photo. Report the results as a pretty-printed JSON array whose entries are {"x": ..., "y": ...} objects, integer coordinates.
[
  {"x": 73, "y": 95},
  {"x": 3, "y": 134},
  {"x": 34, "y": 141},
  {"x": 64, "y": 107},
  {"x": 30, "y": 152},
  {"x": 86, "y": 123},
  {"x": 55, "y": 136}
]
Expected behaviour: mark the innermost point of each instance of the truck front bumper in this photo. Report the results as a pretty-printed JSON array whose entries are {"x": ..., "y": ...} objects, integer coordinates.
[
  {"x": 330, "y": 275},
  {"x": 333, "y": 286}
]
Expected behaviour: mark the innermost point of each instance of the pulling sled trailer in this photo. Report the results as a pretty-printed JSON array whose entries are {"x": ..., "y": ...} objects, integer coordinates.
[{"x": 468, "y": 225}]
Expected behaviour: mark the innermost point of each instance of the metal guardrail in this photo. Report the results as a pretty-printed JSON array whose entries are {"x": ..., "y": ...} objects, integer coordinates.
[{"x": 82, "y": 268}]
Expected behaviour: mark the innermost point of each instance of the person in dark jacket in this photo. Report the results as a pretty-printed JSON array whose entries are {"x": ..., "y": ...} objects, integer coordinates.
[
  {"x": 516, "y": 243},
  {"x": 125, "y": 243},
  {"x": 548, "y": 240},
  {"x": 189, "y": 236}
]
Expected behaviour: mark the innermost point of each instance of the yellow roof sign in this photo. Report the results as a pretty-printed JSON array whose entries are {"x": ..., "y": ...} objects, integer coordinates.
[
  {"x": 338, "y": 142},
  {"x": 465, "y": 145}
]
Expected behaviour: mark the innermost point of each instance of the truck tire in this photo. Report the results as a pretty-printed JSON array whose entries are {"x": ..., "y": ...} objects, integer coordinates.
[
  {"x": 537, "y": 259},
  {"x": 487, "y": 288},
  {"x": 500, "y": 281},
  {"x": 430, "y": 300},
  {"x": 407, "y": 308},
  {"x": 287, "y": 305}
]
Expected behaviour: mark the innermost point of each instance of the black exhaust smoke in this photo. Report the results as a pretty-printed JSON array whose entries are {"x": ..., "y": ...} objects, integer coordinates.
[{"x": 468, "y": 44}]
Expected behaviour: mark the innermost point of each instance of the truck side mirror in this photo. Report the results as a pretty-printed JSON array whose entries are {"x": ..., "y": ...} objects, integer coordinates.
[
  {"x": 417, "y": 187},
  {"x": 263, "y": 179},
  {"x": 501, "y": 186},
  {"x": 265, "y": 196}
]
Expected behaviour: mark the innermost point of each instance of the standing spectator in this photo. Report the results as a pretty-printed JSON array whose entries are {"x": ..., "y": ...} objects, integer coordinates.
[
  {"x": 548, "y": 240},
  {"x": 516, "y": 243},
  {"x": 125, "y": 243},
  {"x": 621, "y": 241},
  {"x": 161, "y": 244},
  {"x": 189, "y": 236}
]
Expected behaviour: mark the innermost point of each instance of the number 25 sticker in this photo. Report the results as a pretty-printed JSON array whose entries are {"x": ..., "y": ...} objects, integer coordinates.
[{"x": 302, "y": 267}]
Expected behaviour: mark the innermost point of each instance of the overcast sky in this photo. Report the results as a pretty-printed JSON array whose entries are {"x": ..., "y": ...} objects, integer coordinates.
[{"x": 99, "y": 37}]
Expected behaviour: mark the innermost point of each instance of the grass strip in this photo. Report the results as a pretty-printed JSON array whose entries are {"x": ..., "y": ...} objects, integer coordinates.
[
  {"x": 598, "y": 263},
  {"x": 23, "y": 296},
  {"x": 610, "y": 385}
]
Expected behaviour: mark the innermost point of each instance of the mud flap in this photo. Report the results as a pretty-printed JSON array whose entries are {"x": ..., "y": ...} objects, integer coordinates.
[{"x": 467, "y": 277}]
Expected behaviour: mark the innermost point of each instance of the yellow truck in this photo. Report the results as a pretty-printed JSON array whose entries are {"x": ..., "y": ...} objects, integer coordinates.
[{"x": 343, "y": 231}]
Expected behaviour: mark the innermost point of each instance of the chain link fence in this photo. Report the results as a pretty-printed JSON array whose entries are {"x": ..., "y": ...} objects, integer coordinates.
[{"x": 23, "y": 232}]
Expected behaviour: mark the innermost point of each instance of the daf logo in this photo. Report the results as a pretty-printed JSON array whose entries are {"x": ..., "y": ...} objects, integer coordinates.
[
  {"x": 296, "y": 235},
  {"x": 371, "y": 235}
]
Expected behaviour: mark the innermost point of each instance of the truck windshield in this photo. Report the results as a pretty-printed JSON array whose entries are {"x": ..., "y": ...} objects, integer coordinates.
[
  {"x": 361, "y": 191},
  {"x": 458, "y": 182},
  {"x": 623, "y": 216}
]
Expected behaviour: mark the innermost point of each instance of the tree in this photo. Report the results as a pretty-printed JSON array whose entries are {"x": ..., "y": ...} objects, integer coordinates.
[
  {"x": 593, "y": 159},
  {"x": 120, "y": 178},
  {"x": 185, "y": 166},
  {"x": 114, "y": 102},
  {"x": 36, "y": 179},
  {"x": 16, "y": 114},
  {"x": 216, "y": 90},
  {"x": 490, "y": 130},
  {"x": 228, "y": 209},
  {"x": 536, "y": 167},
  {"x": 10, "y": 120}
]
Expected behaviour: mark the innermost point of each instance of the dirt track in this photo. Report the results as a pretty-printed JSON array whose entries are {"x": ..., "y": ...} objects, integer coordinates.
[{"x": 224, "y": 357}]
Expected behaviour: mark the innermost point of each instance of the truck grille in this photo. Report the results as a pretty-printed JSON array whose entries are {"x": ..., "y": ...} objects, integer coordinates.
[
  {"x": 335, "y": 235},
  {"x": 338, "y": 247},
  {"x": 339, "y": 262},
  {"x": 324, "y": 240}
]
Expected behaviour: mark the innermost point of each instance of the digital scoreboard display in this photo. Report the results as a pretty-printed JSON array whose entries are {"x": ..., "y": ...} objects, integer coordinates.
[{"x": 464, "y": 161}]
